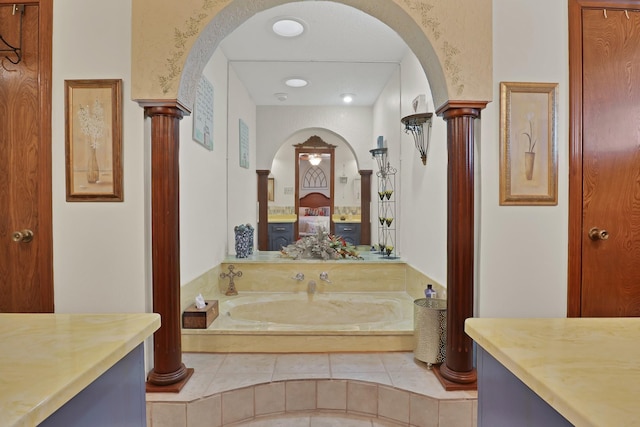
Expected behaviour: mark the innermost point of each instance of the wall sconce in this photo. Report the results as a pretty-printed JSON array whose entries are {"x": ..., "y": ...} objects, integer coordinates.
[
  {"x": 415, "y": 124},
  {"x": 384, "y": 168}
]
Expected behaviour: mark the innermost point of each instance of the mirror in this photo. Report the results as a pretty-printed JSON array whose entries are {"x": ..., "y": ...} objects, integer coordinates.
[{"x": 314, "y": 183}]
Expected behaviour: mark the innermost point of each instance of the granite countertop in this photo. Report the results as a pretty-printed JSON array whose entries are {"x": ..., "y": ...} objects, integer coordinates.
[
  {"x": 588, "y": 369},
  {"x": 46, "y": 359}
]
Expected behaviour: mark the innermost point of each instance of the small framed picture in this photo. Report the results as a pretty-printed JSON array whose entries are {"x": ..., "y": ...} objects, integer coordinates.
[
  {"x": 528, "y": 144},
  {"x": 93, "y": 140}
]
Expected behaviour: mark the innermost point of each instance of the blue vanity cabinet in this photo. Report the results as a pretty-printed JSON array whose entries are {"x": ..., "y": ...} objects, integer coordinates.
[
  {"x": 280, "y": 234},
  {"x": 349, "y": 231}
]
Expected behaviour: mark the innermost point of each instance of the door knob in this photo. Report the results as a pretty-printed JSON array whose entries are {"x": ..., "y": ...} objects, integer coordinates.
[
  {"x": 24, "y": 236},
  {"x": 597, "y": 234}
]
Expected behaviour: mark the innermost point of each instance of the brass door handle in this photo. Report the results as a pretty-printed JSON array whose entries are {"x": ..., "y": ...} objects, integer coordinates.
[
  {"x": 597, "y": 234},
  {"x": 24, "y": 236}
]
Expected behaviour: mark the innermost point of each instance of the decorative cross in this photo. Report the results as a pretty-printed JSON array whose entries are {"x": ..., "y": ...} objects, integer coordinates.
[{"x": 231, "y": 290}]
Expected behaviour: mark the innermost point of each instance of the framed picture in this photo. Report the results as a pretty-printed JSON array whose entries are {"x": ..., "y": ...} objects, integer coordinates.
[
  {"x": 271, "y": 189},
  {"x": 528, "y": 143},
  {"x": 244, "y": 144},
  {"x": 203, "y": 114},
  {"x": 93, "y": 141}
]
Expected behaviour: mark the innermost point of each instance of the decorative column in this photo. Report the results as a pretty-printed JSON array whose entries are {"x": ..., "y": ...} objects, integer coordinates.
[
  {"x": 169, "y": 374},
  {"x": 263, "y": 209},
  {"x": 365, "y": 206},
  {"x": 457, "y": 372}
]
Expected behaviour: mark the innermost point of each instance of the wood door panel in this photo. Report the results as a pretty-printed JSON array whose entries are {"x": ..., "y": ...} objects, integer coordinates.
[
  {"x": 611, "y": 160},
  {"x": 25, "y": 182}
]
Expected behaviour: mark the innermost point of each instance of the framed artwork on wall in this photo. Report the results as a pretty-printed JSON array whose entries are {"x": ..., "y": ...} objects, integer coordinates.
[
  {"x": 271, "y": 186},
  {"x": 93, "y": 140},
  {"x": 244, "y": 145},
  {"x": 528, "y": 143},
  {"x": 203, "y": 114}
]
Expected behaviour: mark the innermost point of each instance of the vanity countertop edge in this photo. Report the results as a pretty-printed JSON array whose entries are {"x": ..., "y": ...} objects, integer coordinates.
[
  {"x": 588, "y": 369},
  {"x": 47, "y": 359}
]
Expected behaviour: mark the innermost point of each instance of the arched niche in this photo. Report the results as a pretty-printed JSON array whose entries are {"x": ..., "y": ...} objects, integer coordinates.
[{"x": 171, "y": 44}]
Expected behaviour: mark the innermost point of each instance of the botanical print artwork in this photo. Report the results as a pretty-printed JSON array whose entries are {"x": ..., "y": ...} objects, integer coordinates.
[
  {"x": 92, "y": 161},
  {"x": 529, "y": 148}
]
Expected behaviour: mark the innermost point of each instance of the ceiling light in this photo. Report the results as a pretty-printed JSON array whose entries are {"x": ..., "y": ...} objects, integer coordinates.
[
  {"x": 347, "y": 98},
  {"x": 296, "y": 82},
  {"x": 315, "y": 160},
  {"x": 281, "y": 96},
  {"x": 288, "y": 28}
]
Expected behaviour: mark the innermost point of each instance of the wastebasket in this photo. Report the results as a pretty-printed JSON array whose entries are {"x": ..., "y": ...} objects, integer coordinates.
[{"x": 430, "y": 330}]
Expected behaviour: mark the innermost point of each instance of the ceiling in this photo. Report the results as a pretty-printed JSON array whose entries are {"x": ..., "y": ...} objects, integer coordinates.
[{"x": 342, "y": 50}]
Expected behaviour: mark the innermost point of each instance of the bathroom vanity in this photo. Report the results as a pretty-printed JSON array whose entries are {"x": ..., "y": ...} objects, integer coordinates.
[
  {"x": 281, "y": 231},
  {"x": 73, "y": 369},
  {"x": 557, "y": 372}
]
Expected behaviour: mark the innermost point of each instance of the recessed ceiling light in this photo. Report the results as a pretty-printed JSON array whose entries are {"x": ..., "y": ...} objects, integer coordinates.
[
  {"x": 288, "y": 28},
  {"x": 296, "y": 82},
  {"x": 347, "y": 98}
]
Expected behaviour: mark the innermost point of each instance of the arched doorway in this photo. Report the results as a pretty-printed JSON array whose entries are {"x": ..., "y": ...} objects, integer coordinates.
[{"x": 165, "y": 87}]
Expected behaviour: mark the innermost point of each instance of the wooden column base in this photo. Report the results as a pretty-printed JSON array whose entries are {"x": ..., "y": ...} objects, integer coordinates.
[
  {"x": 466, "y": 381},
  {"x": 169, "y": 388}
]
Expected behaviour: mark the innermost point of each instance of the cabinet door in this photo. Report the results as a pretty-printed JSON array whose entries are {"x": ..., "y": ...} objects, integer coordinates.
[
  {"x": 349, "y": 232},
  {"x": 280, "y": 235}
]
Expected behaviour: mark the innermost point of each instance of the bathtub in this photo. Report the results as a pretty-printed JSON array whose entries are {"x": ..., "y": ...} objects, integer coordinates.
[{"x": 302, "y": 322}]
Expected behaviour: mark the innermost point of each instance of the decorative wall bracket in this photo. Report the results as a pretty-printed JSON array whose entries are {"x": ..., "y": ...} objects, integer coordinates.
[{"x": 4, "y": 44}]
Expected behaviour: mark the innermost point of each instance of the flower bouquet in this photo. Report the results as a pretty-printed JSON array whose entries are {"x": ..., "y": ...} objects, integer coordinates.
[{"x": 322, "y": 245}]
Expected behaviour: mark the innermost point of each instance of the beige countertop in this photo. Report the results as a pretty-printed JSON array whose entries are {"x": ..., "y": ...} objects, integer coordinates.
[
  {"x": 347, "y": 218},
  {"x": 46, "y": 359},
  {"x": 588, "y": 369},
  {"x": 282, "y": 218}
]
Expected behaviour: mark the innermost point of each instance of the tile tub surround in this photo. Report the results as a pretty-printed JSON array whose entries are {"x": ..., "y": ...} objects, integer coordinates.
[
  {"x": 389, "y": 388},
  {"x": 267, "y": 272}
]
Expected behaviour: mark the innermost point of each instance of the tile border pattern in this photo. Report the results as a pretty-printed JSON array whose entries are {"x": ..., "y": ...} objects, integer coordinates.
[{"x": 344, "y": 397}]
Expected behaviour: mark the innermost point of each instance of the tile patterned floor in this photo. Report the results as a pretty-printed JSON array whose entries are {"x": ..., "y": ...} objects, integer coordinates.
[{"x": 230, "y": 376}]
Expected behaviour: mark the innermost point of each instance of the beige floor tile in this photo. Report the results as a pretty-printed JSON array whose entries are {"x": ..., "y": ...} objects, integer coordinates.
[
  {"x": 393, "y": 404},
  {"x": 455, "y": 413},
  {"x": 168, "y": 415},
  {"x": 355, "y": 362},
  {"x": 373, "y": 377},
  {"x": 203, "y": 362},
  {"x": 300, "y": 395},
  {"x": 282, "y": 421},
  {"x": 226, "y": 382},
  {"x": 303, "y": 363},
  {"x": 332, "y": 394},
  {"x": 423, "y": 412},
  {"x": 269, "y": 398},
  {"x": 207, "y": 411},
  {"x": 339, "y": 421},
  {"x": 424, "y": 383},
  {"x": 362, "y": 397},
  {"x": 248, "y": 363},
  {"x": 300, "y": 376},
  {"x": 402, "y": 361},
  {"x": 237, "y": 405}
]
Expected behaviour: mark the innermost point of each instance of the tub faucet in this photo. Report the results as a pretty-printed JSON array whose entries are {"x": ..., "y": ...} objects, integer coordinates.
[
  {"x": 299, "y": 277},
  {"x": 311, "y": 287},
  {"x": 324, "y": 276}
]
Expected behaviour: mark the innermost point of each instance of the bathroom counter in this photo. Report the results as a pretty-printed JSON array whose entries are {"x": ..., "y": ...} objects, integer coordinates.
[
  {"x": 282, "y": 218},
  {"x": 349, "y": 219},
  {"x": 586, "y": 369},
  {"x": 48, "y": 359}
]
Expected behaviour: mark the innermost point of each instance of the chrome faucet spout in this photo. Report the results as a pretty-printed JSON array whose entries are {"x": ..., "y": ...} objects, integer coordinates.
[
  {"x": 299, "y": 277},
  {"x": 324, "y": 276},
  {"x": 311, "y": 287}
]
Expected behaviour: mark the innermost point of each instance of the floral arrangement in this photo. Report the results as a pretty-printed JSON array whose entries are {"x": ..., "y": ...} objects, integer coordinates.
[
  {"x": 529, "y": 135},
  {"x": 92, "y": 122},
  {"x": 322, "y": 245}
]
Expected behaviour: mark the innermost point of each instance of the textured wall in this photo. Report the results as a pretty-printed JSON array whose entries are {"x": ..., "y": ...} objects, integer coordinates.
[{"x": 172, "y": 42}]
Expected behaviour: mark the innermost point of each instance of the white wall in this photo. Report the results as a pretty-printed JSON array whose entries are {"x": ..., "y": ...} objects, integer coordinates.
[
  {"x": 242, "y": 183},
  {"x": 203, "y": 188},
  {"x": 523, "y": 249},
  {"x": 99, "y": 248}
]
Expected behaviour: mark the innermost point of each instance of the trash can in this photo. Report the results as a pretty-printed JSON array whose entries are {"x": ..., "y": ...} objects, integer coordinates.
[{"x": 430, "y": 330}]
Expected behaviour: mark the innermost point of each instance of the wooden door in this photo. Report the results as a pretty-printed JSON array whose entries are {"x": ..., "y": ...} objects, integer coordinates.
[
  {"x": 26, "y": 271},
  {"x": 605, "y": 270}
]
